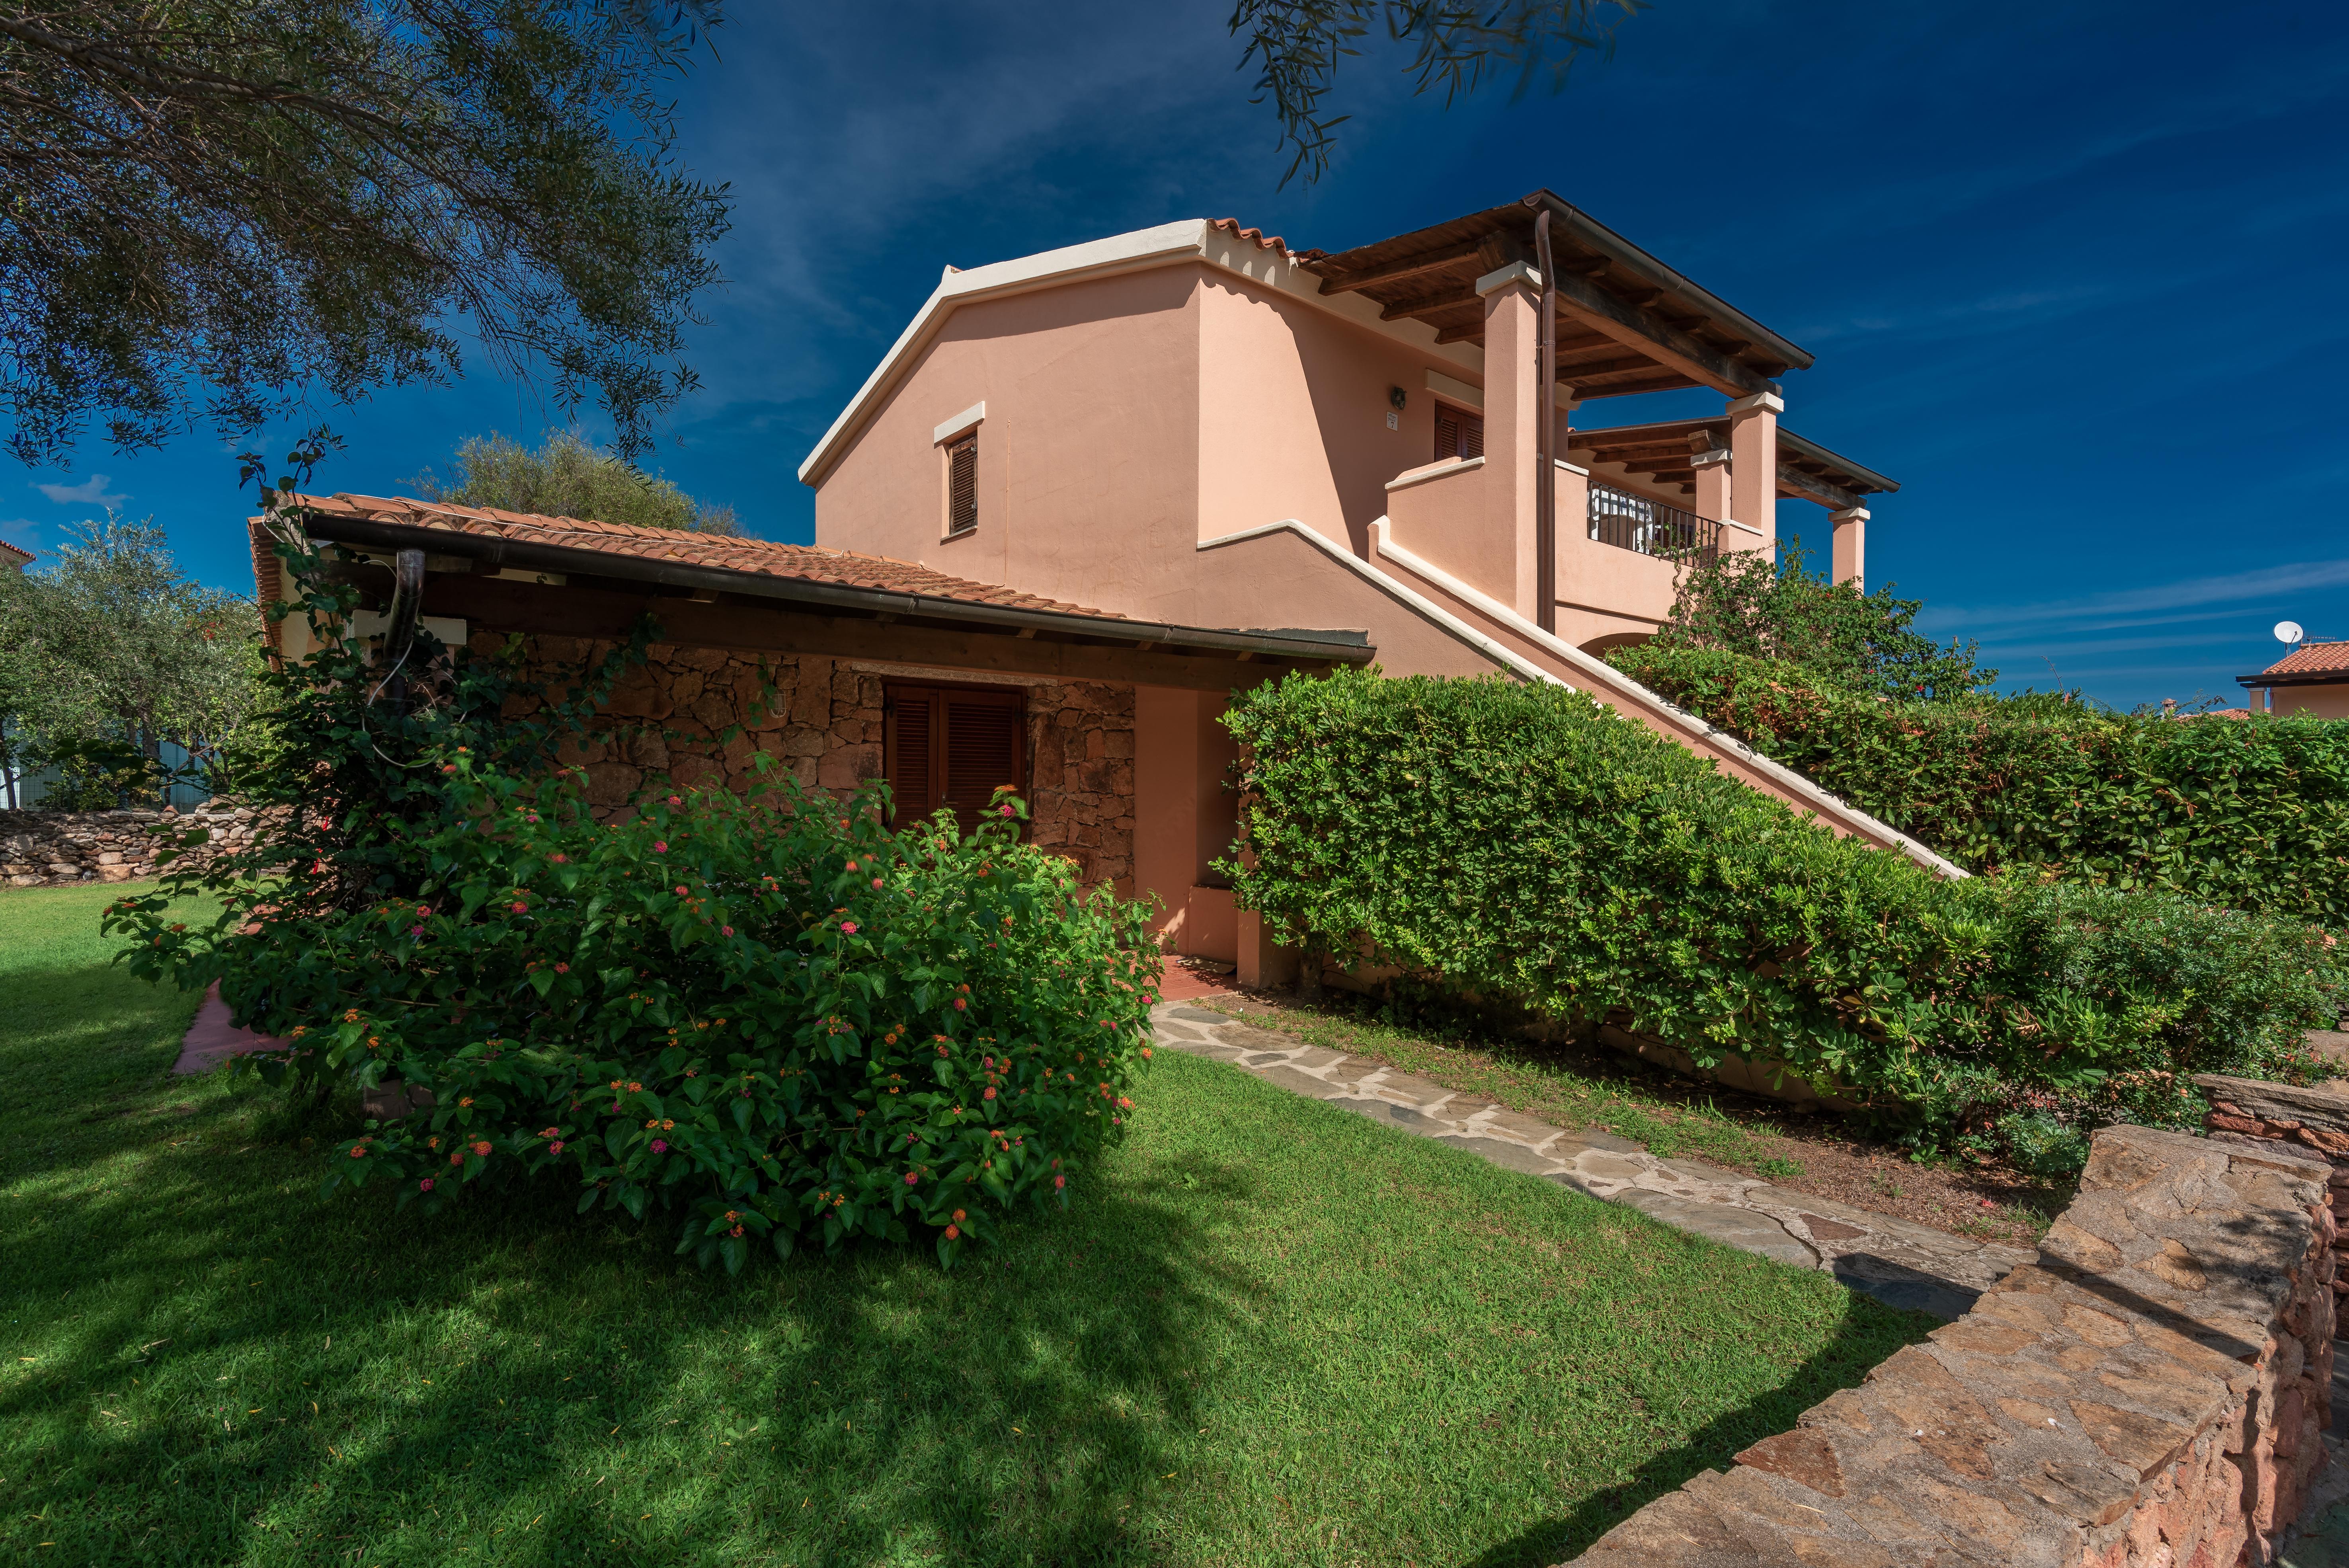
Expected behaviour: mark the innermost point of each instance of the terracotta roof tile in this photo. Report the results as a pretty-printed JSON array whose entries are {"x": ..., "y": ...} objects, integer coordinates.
[
  {"x": 17, "y": 550},
  {"x": 1232, "y": 226},
  {"x": 2312, "y": 659},
  {"x": 804, "y": 562}
]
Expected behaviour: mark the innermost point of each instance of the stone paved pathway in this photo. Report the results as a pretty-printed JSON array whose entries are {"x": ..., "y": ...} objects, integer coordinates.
[{"x": 1897, "y": 1261}]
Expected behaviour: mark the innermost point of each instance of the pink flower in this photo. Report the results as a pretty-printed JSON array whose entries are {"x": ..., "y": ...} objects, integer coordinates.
[
  {"x": 847, "y": 928},
  {"x": 911, "y": 1178},
  {"x": 1004, "y": 811},
  {"x": 660, "y": 846},
  {"x": 414, "y": 931},
  {"x": 521, "y": 909},
  {"x": 680, "y": 890},
  {"x": 1059, "y": 1182},
  {"x": 876, "y": 882},
  {"x": 660, "y": 1146},
  {"x": 725, "y": 930},
  {"x": 555, "y": 1147},
  {"x": 425, "y": 1185},
  {"x": 422, "y": 910},
  {"x": 676, "y": 800},
  {"x": 952, "y": 1232}
]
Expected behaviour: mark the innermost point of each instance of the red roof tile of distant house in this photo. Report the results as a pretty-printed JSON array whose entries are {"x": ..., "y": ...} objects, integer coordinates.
[
  {"x": 804, "y": 562},
  {"x": 2318, "y": 660},
  {"x": 14, "y": 556}
]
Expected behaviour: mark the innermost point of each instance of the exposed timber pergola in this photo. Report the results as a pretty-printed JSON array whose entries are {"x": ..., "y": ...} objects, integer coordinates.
[
  {"x": 1626, "y": 322},
  {"x": 1667, "y": 453}
]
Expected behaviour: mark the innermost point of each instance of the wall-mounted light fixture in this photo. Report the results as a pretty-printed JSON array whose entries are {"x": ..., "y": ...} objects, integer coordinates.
[{"x": 1396, "y": 395}]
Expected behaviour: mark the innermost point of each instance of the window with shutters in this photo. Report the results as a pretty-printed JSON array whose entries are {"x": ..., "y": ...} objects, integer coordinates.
[
  {"x": 953, "y": 747},
  {"x": 1459, "y": 432},
  {"x": 962, "y": 484}
]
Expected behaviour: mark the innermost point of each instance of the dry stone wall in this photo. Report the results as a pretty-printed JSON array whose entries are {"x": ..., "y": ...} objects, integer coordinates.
[
  {"x": 2150, "y": 1394},
  {"x": 60, "y": 849},
  {"x": 2313, "y": 1123},
  {"x": 821, "y": 719}
]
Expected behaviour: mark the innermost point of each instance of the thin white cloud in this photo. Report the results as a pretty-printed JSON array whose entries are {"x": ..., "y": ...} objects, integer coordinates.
[
  {"x": 2137, "y": 606},
  {"x": 95, "y": 491}
]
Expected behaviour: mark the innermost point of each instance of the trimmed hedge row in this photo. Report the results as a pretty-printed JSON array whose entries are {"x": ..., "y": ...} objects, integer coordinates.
[
  {"x": 2249, "y": 813},
  {"x": 1523, "y": 842}
]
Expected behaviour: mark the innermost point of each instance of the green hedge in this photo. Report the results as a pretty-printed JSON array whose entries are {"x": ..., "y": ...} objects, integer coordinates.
[
  {"x": 1523, "y": 842},
  {"x": 2253, "y": 814}
]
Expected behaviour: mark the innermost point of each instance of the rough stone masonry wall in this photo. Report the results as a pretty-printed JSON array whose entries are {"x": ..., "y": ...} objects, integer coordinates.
[
  {"x": 2150, "y": 1394},
  {"x": 823, "y": 724},
  {"x": 2313, "y": 1123},
  {"x": 59, "y": 848}
]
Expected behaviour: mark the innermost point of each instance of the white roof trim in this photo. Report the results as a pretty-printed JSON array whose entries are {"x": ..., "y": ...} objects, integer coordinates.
[{"x": 1168, "y": 244}]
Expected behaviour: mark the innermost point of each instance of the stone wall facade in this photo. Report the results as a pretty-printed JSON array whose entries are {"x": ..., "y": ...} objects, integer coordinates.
[
  {"x": 2311, "y": 1122},
  {"x": 2150, "y": 1394},
  {"x": 821, "y": 719},
  {"x": 61, "y": 849}
]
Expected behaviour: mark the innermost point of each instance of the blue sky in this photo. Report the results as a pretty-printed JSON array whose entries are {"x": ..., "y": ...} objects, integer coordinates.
[{"x": 2073, "y": 272}]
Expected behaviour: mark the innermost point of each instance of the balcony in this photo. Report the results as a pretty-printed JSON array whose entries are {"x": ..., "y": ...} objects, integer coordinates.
[{"x": 1647, "y": 527}]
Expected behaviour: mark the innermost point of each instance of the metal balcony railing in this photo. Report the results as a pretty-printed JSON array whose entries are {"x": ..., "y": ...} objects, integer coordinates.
[{"x": 1651, "y": 527}]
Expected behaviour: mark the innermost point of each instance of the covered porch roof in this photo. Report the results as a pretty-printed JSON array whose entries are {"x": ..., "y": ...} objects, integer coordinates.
[
  {"x": 1626, "y": 322},
  {"x": 1666, "y": 453}
]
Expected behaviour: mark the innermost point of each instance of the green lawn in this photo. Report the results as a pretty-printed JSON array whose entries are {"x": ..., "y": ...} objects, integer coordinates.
[{"x": 1272, "y": 1334}]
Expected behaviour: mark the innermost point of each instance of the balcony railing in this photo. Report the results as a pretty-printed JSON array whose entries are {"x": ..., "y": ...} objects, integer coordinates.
[{"x": 1651, "y": 527}]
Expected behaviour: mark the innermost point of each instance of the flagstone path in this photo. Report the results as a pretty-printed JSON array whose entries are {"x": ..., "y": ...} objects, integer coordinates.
[{"x": 1898, "y": 1261}]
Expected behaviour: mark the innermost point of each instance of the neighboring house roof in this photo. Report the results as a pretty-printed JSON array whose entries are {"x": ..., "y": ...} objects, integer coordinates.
[
  {"x": 2310, "y": 664},
  {"x": 829, "y": 580},
  {"x": 1430, "y": 275},
  {"x": 14, "y": 556},
  {"x": 1663, "y": 452}
]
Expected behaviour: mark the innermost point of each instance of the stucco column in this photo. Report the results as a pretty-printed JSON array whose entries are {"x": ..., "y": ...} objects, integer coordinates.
[
  {"x": 1754, "y": 461},
  {"x": 1712, "y": 482},
  {"x": 1512, "y": 404},
  {"x": 1851, "y": 546}
]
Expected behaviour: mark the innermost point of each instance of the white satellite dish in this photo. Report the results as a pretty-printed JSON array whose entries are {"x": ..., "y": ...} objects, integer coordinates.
[{"x": 2289, "y": 632}]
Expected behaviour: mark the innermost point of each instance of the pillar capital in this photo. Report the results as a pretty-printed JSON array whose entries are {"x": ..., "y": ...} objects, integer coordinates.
[
  {"x": 1849, "y": 514},
  {"x": 1769, "y": 402},
  {"x": 1515, "y": 272}
]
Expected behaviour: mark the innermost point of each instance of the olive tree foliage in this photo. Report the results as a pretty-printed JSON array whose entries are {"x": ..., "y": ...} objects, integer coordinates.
[
  {"x": 109, "y": 651},
  {"x": 566, "y": 476},
  {"x": 1455, "y": 44},
  {"x": 218, "y": 208}
]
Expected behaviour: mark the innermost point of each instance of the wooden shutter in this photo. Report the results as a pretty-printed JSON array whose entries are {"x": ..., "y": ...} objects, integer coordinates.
[
  {"x": 912, "y": 724},
  {"x": 962, "y": 485},
  {"x": 953, "y": 747},
  {"x": 1459, "y": 433}
]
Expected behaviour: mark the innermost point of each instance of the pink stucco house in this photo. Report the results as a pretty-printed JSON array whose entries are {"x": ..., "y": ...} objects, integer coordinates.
[
  {"x": 2312, "y": 681},
  {"x": 1198, "y": 424},
  {"x": 1091, "y": 494}
]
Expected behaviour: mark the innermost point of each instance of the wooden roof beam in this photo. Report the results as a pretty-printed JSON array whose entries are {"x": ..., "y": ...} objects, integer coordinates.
[
  {"x": 1395, "y": 272},
  {"x": 1793, "y": 481},
  {"x": 1419, "y": 309},
  {"x": 1660, "y": 340}
]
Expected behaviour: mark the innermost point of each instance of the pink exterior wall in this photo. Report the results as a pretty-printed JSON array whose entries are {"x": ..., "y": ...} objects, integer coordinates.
[
  {"x": 2312, "y": 701},
  {"x": 1088, "y": 458}
]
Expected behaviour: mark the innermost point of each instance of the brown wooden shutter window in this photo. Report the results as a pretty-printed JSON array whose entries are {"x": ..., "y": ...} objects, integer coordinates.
[
  {"x": 953, "y": 747},
  {"x": 962, "y": 484},
  {"x": 1459, "y": 433}
]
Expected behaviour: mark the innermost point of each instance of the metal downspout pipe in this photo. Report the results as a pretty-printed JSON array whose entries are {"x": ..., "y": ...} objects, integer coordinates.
[{"x": 1546, "y": 438}]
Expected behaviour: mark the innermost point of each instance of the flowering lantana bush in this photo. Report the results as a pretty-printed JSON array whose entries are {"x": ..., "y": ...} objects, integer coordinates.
[{"x": 770, "y": 1017}]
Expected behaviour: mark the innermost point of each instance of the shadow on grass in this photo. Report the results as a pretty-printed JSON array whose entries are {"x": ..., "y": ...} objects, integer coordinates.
[
  {"x": 317, "y": 1376},
  {"x": 1858, "y": 1345}
]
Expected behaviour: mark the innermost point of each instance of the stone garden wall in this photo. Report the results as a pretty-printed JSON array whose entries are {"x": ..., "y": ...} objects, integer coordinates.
[
  {"x": 2150, "y": 1394},
  {"x": 58, "y": 849},
  {"x": 2311, "y": 1122},
  {"x": 823, "y": 724}
]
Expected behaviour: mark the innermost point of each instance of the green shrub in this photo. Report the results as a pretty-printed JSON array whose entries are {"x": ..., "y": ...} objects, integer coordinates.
[
  {"x": 767, "y": 1017},
  {"x": 2251, "y": 813},
  {"x": 1522, "y": 842}
]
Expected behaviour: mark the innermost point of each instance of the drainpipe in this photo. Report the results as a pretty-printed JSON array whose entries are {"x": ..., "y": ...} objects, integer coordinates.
[
  {"x": 1546, "y": 438},
  {"x": 399, "y": 626}
]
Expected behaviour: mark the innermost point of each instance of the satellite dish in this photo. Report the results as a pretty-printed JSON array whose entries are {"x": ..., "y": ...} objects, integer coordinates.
[{"x": 2288, "y": 631}]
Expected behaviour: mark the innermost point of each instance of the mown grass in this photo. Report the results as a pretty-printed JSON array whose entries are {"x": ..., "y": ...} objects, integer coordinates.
[{"x": 1270, "y": 1332}]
